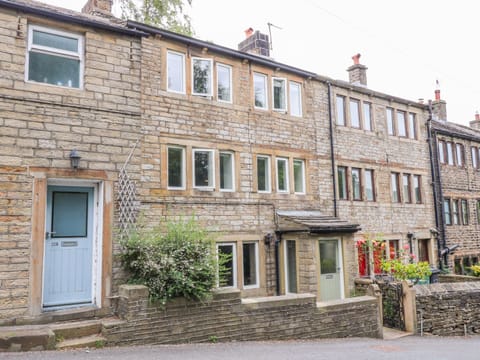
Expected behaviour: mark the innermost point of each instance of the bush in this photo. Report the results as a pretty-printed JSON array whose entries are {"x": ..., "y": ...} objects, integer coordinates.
[
  {"x": 178, "y": 262},
  {"x": 475, "y": 269}
]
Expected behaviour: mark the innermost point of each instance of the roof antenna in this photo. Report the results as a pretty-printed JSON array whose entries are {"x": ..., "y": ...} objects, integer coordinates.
[{"x": 270, "y": 25}]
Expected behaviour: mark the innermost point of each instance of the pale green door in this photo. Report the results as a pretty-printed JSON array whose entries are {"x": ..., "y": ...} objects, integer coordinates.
[{"x": 330, "y": 270}]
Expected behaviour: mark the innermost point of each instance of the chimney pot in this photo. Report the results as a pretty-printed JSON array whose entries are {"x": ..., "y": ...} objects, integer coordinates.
[
  {"x": 357, "y": 73},
  {"x": 437, "y": 95},
  {"x": 477, "y": 116},
  {"x": 248, "y": 32},
  {"x": 356, "y": 59}
]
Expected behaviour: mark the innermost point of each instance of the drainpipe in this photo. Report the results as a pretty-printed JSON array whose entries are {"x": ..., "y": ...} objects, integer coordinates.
[
  {"x": 437, "y": 188},
  {"x": 332, "y": 154},
  {"x": 278, "y": 240}
]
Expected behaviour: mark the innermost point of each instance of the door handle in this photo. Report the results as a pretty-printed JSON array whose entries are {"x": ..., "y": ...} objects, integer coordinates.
[{"x": 48, "y": 234}]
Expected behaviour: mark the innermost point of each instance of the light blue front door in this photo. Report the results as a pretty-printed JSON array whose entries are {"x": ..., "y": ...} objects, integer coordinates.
[{"x": 67, "y": 278}]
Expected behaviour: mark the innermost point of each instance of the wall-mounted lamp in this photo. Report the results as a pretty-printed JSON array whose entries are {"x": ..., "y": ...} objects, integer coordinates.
[
  {"x": 269, "y": 239},
  {"x": 74, "y": 159}
]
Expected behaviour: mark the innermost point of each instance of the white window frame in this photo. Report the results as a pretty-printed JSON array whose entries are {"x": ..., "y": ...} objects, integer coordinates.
[
  {"x": 285, "y": 160},
  {"x": 210, "y": 80},
  {"x": 257, "y": 266},
  {"x": 182, "y": 55},
  {"x": 367, "y": 116},
  {"x": 268, "y": 179},
  {"x": 183, "y": 168},
  {"x": 293, "y": 99},
  {"x": 234, "y": 264},
  {"x": 210, "y": 187},
  {"x": 80, "y": 54},
  {"x": 230, "y": 82},
  {"x": 354, "y": 112},
  {"x": 265, "y": 87},
  {"x": 284, "y": 87},
  {"x": 233, "y": 170},
  {"x": 303, "y": 176}
]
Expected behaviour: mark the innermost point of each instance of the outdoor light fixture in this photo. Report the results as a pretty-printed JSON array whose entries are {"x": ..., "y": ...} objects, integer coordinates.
[{"x": 74, "y": 159}]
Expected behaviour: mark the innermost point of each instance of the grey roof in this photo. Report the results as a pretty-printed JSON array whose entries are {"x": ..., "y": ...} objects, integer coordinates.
[
  {"x": 456, "y": 130},
  {"x": 312, "y": 221}
]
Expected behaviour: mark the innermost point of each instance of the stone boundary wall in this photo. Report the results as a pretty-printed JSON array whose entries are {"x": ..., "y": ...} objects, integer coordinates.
[
  {"x": 451, "y": 278},
  {"x": 449, "y": 309},
  {"x": 227, "y": 317}
]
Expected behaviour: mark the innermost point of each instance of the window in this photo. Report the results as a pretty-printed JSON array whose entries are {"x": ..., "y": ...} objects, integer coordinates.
[
  {"x": 412, "y": 126},
  {"x": 202, "y": 76},
  {"x": 354, "y": 113},
  {"x": 176, "y": 167},
  {"x": 176, "y": 72},
  {"x": 229, "y": 277},
  {"x": 406, "y": 188},
  {"x": 369, "y": 185},
  {"x": 342, "y": 183},
  {"x": 478, "y": 211},
  {"x": 401, "y": 125},
  {"x": 356, "y": 186},
  {"x": 260, "y": 88},
  {"x": 394, "y": 248},
  {"x": 423, "y": 253},
  {"x": 417, "y": 188},
  {"x": 455, "y": 217},
  {"x": 203, "y": 169},
  {"x": 395, "y": 187},
  {"x": 460, "y": 154},
  {"x": 263, "y": 174},
  {"x": 390, "y": 125},
  {"x": 54, "y": 57},
  {"x": 367, "y": 116},
  {"x": 475, "y": 162},
  {"x": 295, "y": 99},
  {"x": 450, "y": 159},
  {"x": 279, "y": 94},
  {"x": 224, "y": 83},
  {"x": 446, "y": 212},
  {"x": 282, "y": 175},
  {"x": 227, "y": 171},
  {"x": 340, "y": 110},
  {"x": 299, "y": 176},
  {"x": 250, "y": 264},
  {"x": 441, "y": 152},
  {"x": 464, "y": 208}
]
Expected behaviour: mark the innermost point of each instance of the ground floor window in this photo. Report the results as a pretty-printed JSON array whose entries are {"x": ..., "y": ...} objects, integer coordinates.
[
  {"x": 290, "y": 266},
  {"x": 250, "y": 264},
  {"x": 229, "y": 276}
]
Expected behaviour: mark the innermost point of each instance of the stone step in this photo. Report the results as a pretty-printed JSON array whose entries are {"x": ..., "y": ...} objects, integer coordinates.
[
  {"x": 92, "y": 341},
  {"x": 26, "y": 338},
  {"x": 76, "y": 329}
]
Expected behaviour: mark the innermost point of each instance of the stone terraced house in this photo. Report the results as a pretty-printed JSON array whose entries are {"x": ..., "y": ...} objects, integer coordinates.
[{"x": 287, "y": 168}]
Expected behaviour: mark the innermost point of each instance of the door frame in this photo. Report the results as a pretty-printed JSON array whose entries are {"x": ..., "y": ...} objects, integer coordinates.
[
  {"x": 97, "y": 239},
  {"x": 340, "y": 264}
]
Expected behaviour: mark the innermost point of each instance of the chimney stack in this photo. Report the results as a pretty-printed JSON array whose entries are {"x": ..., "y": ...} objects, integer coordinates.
[
  {"x": 439, "y": 106},
  {"x": 255, "y": 43},
  {"x": 102, "y": 8},
  {"x": 357, "y": 73},
  {"x": 475, "y": 124}
]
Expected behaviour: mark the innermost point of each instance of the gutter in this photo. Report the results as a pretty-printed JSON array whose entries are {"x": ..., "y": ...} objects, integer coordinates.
[{"x": 332, "y": 154}]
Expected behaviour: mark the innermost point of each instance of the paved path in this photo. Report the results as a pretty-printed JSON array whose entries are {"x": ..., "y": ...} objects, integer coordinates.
[{"x": 406, "y": 348}]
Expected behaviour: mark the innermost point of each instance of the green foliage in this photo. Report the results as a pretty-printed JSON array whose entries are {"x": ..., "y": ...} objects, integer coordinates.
[
  {"x": 167, "y": 14},
  {"x": 475, "y": 269},
  {"x": 407, "y": 271},
  {"x": 176, "y": 262}
]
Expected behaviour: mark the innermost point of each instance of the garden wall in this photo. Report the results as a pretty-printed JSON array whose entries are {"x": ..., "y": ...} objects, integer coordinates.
[{"x": 227, "y": 317}]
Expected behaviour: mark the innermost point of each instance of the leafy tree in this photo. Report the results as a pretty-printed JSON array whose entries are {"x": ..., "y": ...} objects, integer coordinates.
[{"x": 167, "y": 14}]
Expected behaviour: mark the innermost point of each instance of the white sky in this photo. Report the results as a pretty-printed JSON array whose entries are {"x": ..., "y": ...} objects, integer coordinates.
[{"x": 407, "y": 45}]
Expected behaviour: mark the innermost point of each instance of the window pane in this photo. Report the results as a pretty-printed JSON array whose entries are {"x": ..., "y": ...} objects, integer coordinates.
[
  {"x": 224, "y": 88},
  {"x": 282, "y": 175},
  {"x": 228, "y": 276},
  {"x": 55, "y": 41},
  {"x": 203, "y": 163},
  {"x": 367, "y": 116},
  {"x": 175, "y": 71},
  {"x": 459, "y": 153},
  {"x": 464, "y": 205},
  {"x": 474, "y": 157},
  {"x": 279, "y": 86},
  {"x": 260, "y": 84},
  {"x": 354, "y": 113},
  {"x": 478, "y": 211},
  {"x": 401, "y": 128},
  {"x": 263, "y": 173},
  {"x": 369, "y": 189},
  {"x": 226, "y": 171},
  {"x": 175, "y": 167},
  {"x": 394, "y": 184},
  {"x": 295, "y": 99},
  {"x": 441, "y": 152},
  {"x": 55, "y": 70},
  {"x": 417, "y": 189},
  {"x": 299, "y": 175},
  {"x": 406, "y": 188},
  {"x": 391, "y": 130},
  {"x": 250, "y": 264},
  {"x": 455, "y": 212},
  {"x": 69, "y": 214},
  {"x": 202, "y": 76},
  {"x": 342, "y": 182},
  {"x": 446, "y": 211},
  {"x": 356, "y": 189},
  {"x": 450, "y": 160},
  {"x": 341, "y": 110},
  {"x": 412, "y": 126},
  {"x": 291, "y": 265}
]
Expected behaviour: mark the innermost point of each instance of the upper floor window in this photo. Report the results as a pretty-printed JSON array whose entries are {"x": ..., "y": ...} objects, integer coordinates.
[
  {"x": 342, "y": 183},
  {"x": 176, "y": 167},
  {"x": 401, "y": 125},
  {"x": 282, "y": 175},
  {"x": 260, "y": 89},
  {"x": 475, "y": 158},
  {"x": 478, "y": 211},
  {"x": 176, "y": 72},
  {"x": 279, "y": 94},
  {"x": 464, "y": 209},
  {"x": 354, "y": 113},
  {"x": 224, "y": 83},
  {"x": 227, "y": 178},
  {"x": 367, "y": 116},
  {"x": 203, "y": 169},
  {"x": 299, "y": 176},
  {"x": 202, "y": 76},
  {"x": 390, "y": 124},
  {"x": 450, "y": 159},
  {"x": 406, "y": 188},
  {"x": 54, "y": 57},
  {"x": 369, "y": 185},
  {"x": 417, "y": 188},
  {"x": 441, "y": 152},
  {"x": 412, "y": 126},
  {"x": 295, "y": 99},
  {"x": 460, "y": 154},
  {"x": 356, "y": 185},
  {"x": 263, "y": 174},
  {"x": 447, "y": 212},
  {"x": 455, "y": 216},
  {"x": 341, "y": 110},
  {"x": 395, "y": 187}
]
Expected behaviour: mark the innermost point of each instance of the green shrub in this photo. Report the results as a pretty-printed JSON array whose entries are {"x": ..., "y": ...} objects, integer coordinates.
[
  {"x": 475, "y": 269},
  {"x": 179, "y": 261}
]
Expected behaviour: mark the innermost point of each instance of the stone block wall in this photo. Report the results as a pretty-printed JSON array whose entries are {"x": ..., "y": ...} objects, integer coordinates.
[{"x": 228, "y": 318}]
